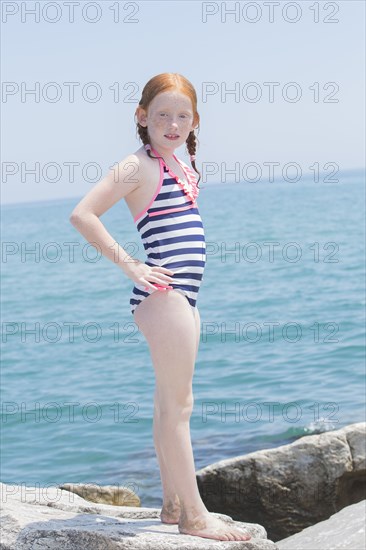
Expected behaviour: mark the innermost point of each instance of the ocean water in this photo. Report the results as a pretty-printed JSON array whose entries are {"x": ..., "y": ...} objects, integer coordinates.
[{"x": 282, "y": 349}]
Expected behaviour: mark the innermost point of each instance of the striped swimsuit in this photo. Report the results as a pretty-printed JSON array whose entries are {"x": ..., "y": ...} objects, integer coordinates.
[{"x": 172, "y": 233}]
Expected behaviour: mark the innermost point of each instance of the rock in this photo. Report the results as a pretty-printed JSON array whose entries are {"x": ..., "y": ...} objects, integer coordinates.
[
  {"x": 105, "y": 494},
  {"x": 291, "y": 487},
  {"x": 54, "y": 519},
  {"x": 343, "y": 530}
]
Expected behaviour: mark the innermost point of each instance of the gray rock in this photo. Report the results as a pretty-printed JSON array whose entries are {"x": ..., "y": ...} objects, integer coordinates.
[
  {"x": 343, "y": 530},
  {"x": 55, "y": 519},
  {"x": 291, "y": 487},
  {"x": 105, "y": 494}
]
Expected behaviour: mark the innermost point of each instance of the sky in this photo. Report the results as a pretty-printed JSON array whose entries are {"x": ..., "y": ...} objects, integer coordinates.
[{"x": 297, "y": 69}]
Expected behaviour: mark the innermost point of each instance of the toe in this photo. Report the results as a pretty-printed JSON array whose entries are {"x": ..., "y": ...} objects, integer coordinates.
[
  {"x": 222, "y": 536},
  {"x": 238, "y": 536},
  {"x": 244, "y": 535}
]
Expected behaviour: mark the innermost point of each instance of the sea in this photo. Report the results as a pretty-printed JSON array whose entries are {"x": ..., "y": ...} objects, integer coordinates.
[{"x": 282, "y": 345}]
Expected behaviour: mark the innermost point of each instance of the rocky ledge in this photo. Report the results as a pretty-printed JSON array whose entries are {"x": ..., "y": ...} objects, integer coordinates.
[
  {"x": 281, "y": 491},
  {"x": 55, "y": 518},
  {"x": 344, "y": 530}
]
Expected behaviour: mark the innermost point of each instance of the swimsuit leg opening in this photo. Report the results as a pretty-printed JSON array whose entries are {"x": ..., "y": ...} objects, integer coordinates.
[{"x": 186, "y": 297}]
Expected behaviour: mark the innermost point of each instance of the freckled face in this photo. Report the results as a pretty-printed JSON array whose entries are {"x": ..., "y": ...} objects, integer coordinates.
[{"x": 169, "y": 120}]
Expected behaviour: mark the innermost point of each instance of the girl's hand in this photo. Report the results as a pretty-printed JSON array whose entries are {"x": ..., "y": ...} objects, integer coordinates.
[{"x": 153, "y": 278}]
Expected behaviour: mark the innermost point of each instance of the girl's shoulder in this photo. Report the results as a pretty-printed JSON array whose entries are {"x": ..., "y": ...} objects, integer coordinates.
[
  {"x": 130, "y": 171},
  {"x": 138, "y": 160},
  {"x": 141, "y": 158},
  {"x": 144, "y": 168},
  {"x": 138, "y": 157}
]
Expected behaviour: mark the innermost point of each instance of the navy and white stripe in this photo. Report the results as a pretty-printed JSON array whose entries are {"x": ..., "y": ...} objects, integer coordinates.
[{"x": 174, "y": 239}]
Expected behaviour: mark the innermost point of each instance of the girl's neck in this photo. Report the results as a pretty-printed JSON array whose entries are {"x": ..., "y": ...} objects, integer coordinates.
[{"x": 167, "y": 154}]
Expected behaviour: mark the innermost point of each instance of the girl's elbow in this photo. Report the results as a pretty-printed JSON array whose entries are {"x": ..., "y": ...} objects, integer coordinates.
[
  {"x": 74, "y": 218},
  {"x": 79, "y": 217}
]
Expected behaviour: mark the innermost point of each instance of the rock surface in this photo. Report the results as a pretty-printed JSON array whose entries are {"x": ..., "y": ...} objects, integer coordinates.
[
  {"x": 52, "y": 518},
  {"x": 104, "y": 494},
  {"x": 291, "y": 487},
  {"x": 345, "y": 530}
]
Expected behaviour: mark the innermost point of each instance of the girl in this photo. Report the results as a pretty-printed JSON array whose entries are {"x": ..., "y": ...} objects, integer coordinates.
[{"x": 161, "y": 193}]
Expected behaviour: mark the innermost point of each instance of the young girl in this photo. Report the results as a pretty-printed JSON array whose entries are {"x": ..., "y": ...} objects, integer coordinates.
[{"x": 161, "y": 193}]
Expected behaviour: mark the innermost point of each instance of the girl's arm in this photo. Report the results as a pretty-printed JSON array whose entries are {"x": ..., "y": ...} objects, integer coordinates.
[{"x": 118, "y": 183}]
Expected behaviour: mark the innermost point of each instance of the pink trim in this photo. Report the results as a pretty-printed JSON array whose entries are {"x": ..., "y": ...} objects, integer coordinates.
[
  {"x": 191, "y": 178},
  {"x": 188, "y": 172},
  {"x": 155, "y": 194},
  {"x": 190, "y": 186},
  {"x": 183, "y": 167},
  {"x": 173, "y": 210},
  {"x": 191, "y": 175}
]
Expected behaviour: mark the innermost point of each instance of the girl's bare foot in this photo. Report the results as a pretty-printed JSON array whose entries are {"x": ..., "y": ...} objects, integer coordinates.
[
  {"x": 211, "y": 527},
  {"x": 170, "y": 512}
]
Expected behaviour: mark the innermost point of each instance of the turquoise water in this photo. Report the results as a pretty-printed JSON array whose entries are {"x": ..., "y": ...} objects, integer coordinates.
[{"x": 77, "y": 382}]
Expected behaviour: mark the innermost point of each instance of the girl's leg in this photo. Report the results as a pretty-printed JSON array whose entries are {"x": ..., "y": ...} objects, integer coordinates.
[
  {"x": 170, "y": 512},
  {"x": 165, "y": 319}
]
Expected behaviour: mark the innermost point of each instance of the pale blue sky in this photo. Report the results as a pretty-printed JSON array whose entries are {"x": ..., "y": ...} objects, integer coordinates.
[{"x": 171, "y": 37}]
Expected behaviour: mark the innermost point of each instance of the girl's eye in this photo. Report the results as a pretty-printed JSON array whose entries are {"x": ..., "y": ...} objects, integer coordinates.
[{"x": 182, "y": 116}]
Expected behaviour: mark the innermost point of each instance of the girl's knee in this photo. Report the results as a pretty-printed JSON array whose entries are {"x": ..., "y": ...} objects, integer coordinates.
[
  {"x": 176, "y": 405},
  {"x": 181, "y": 392}
]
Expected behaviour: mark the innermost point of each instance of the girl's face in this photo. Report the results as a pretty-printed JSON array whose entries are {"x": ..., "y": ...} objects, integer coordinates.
[{"x": 169, "y": 114}]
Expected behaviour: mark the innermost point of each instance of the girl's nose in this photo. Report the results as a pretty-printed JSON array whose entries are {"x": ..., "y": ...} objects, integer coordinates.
[{"x": 173, "y": 120}]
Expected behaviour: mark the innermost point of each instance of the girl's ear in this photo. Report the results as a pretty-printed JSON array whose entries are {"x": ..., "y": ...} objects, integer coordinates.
[
  {"x": 196, "y": 122},
  {"x": 141, "y": 116}
]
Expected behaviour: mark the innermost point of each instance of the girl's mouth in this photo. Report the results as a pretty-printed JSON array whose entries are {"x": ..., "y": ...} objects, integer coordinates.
[{"x": 171, "y": 136}]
